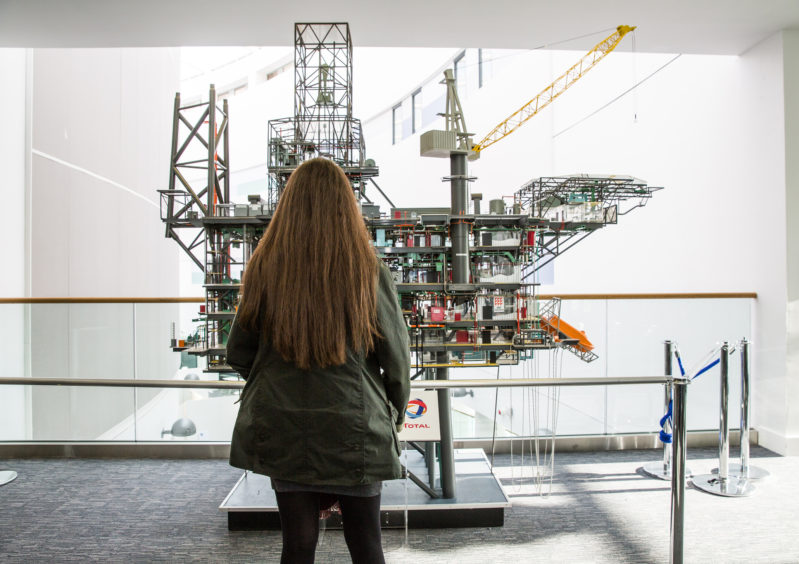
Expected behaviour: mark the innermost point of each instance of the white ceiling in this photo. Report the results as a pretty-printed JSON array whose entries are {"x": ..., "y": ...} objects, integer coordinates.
[{"x": 673, "y": 26}]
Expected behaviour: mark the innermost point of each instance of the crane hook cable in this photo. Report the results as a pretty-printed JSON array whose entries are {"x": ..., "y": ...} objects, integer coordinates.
[{"x": 630, "y": 89}]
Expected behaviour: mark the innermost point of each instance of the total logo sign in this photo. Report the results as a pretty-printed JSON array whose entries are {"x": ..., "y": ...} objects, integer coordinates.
[
  {"x": 416, "y": 408},
  {"x": 421, "y": 417}
]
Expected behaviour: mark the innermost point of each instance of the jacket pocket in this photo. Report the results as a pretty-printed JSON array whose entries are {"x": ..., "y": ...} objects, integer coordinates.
[{"x": 392, "y": 413}]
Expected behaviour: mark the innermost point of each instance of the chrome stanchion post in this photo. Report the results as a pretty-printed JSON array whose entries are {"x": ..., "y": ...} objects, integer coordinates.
[
  {"x": 723, "y": 484},
  {"x": 744, "y": 409},
  {"x": 662, "y": 470},
  {"x": 666, "y": 469},
  {"x": 744, "y": 470},
  {"x": 680, "y": 389},
  {"x": 668, "y": 428},
  {"x": 724, "y": 424}
]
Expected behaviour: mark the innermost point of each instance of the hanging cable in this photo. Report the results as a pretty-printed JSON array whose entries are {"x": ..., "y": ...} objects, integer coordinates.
[
  {"x": 614, "y": 100},
  {"x": 534, "y": 397},
  {"x": 603, "y": 31},
  {"x": 494, "y": 426},
  {"x": 635, "y": 78}
]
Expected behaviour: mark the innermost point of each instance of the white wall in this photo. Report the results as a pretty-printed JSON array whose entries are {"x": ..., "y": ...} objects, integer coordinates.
[
  {"x": 791, "y": 96},
  {"x": 13, "y": 400},
  {"x": 690, "y": 136},
  {"x": 107, "y": 111},
  {"x": 101, "y": 134},
  {"x": 710, "y": 129}
]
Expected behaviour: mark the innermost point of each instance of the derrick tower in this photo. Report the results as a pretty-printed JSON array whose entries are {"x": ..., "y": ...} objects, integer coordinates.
[{"x": 322, "y": 125}]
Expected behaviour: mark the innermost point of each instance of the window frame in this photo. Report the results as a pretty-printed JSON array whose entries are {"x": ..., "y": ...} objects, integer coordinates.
[
  {"x": 458, "y": 59},
  {"x": 417, "y": 95},
  {"x": 396, "y": 136},
  {"x": 479, "y": 68}
]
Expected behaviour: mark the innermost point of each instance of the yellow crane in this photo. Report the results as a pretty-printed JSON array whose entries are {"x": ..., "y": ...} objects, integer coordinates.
[{"x": 558, "y": 87}]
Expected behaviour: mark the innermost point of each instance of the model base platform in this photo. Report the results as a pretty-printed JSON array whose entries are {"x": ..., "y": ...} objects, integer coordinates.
[{"x": 480, "y": 500}]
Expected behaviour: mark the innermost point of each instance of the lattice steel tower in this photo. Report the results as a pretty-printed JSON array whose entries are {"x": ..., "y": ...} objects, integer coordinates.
[{"x": 322, "y": 125}]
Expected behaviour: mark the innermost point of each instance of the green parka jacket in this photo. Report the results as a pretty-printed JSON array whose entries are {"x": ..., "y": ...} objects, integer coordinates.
[{"x": 334, "y": 426}]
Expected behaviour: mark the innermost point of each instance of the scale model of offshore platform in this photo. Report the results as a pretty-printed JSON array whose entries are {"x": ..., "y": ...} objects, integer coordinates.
[{"x": 465, "y": 275}]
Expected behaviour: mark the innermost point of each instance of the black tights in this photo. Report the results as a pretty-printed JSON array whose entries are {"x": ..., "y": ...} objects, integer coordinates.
[{"x": 299, "y": 521}]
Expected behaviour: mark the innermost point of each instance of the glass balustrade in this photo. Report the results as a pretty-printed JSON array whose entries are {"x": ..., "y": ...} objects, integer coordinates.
[{"x": 132, "y": 341}]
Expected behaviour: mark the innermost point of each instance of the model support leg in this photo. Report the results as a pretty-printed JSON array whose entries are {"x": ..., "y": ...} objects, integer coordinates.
[
  {"x": 445, "y": 422},
  {"x": 724, "y": 484},
  {"x": 430, "y": 461},
  {"x": 459, "y": 234},
  {"x": 430, "y": 446},
  {"x": 459, "y": 230}
]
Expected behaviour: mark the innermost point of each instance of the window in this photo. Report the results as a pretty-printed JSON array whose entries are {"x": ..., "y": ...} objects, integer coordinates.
[
  {"x": 396, "y": 124},
  {"x": 229, "y": 92},
  {"x": 416, "y": 111},
  {"x": 485, "y": 65},
  {"x": 479, "y": 68}
]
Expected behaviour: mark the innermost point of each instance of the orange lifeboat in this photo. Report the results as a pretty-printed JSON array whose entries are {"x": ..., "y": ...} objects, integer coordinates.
[{"x": 562, "y": 331}]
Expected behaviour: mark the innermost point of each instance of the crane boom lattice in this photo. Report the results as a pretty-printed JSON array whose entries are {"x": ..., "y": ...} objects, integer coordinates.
[{"x": 558, "y": 87}]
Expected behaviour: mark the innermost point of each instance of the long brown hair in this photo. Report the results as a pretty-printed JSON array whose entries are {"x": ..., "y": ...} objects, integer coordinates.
[{"x": 309, "y": 287}]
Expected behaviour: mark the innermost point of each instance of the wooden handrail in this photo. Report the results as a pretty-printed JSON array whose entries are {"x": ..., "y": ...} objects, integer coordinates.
[
  {"x": 102, "y": 300},
  {"x": 653, "y": 296},
  {"x": 199, "y": 300}
]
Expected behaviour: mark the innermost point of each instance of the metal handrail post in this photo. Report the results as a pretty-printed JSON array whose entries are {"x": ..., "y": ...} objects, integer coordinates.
[
  {"x": 667, "y": 400},
  {"x": 678, "y": 444}
]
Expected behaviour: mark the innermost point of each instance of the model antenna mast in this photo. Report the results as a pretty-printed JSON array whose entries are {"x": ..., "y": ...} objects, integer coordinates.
[{"x": 453, "y": 114}]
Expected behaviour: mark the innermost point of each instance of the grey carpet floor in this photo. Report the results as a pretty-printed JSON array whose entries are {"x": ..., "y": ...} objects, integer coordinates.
[{"x": 599, "y": 509}]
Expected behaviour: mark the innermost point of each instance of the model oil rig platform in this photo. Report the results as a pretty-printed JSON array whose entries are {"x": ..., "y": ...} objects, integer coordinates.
[{"x": 465, "y": 276}]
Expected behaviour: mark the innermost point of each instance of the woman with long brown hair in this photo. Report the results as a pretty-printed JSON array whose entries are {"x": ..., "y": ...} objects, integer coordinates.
[{"x": 320, "y": 340}]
